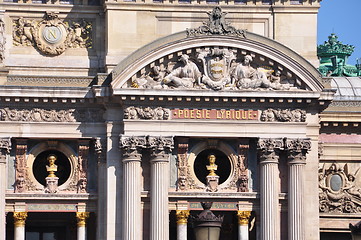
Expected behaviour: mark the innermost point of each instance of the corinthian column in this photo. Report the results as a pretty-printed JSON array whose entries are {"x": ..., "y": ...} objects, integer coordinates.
[
  {"x": 5, "y": 145},
  {"x": 296, "y": 149},
  {"x": 132, "y": 207},
  {"x": 159, "y": 215},
  {"x": 19, "y": 225},
  {"x": 243, "y": 219},
  {"x": 81, "y": 218},
  {"x": 182, "y": 219},
  {"x": 269, "y": 149}
]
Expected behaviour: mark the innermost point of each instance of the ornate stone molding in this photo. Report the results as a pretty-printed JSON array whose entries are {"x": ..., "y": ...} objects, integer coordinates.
[
  {"x": 242, "y": 168},
  {"x": 182, "y": 165},
  {"x": 81, "y": 218},
  {"x": 216, "y": 25},
  {"x": 2, "y": 41},
  {"x": 49, "y": 80},
  {"x": 283, "y": 115},
  {"x": 5, "y": 147},
  {"x": 147, "y": 113},
  {"x": 160, "y": 145},
  {"x": 83, "y": 154},
  {"x": 132, "y": 145},
  {"x": 243, "y": 217},
  {"x": 182, "y": 216},
  {"x": 297, "y": 149},
  {"x": 338, "y": 192},
  {"x": 22, "y": 183},
  {"x": 52, "y": 36},
  {"x": 20, "y": 218},
  {"x": 268, "y": 149},
  {"x": 53, "y": 115},
  {"x": 100, "y": 149}
]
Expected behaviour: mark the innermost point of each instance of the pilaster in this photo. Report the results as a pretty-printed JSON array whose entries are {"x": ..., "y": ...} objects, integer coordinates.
[{"x": 5, "y": 145}]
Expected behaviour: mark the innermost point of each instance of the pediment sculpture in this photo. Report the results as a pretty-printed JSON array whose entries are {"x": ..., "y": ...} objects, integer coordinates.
[
  {"x": 215, "y": 68},
  {"x": 51, "y": 35},
  {"x": 338, "y": 190}
]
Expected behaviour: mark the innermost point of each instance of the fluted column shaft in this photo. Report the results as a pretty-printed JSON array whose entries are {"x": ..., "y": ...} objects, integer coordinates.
[
  {"x": 132, "y": 205},
  {"x": 5, "y": 145},
  {"x": 269, "y": 157},
  {"x": 296, "y": 150},
  {"x": 159, "y": 214},
  {"x": 19, "y": 225}
]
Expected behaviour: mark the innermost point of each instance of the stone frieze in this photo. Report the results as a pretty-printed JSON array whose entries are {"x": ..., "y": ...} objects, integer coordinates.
[
  {"x": 51, "y": 35},
  {"x": 283, "y": 115},
  {"x": 147, "y": 113}
]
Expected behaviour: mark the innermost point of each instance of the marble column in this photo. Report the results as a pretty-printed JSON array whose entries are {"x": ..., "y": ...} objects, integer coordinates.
[
  {"x": 19, "y": 225},
  {"x": 296, "y": 150},
  {"x": 243, "y": 220},
  {"x": 182, "y": 219},
  {"x": 160, "y": 148},
  {"x": 269, "y": 189},
  {"x": 5, "y": 145},
  {"x": 81, "y": 218},
  {"x": 132, "y": 206}
]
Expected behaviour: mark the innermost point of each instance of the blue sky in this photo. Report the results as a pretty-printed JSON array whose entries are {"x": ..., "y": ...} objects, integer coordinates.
[{"x": 343, "y": 17}]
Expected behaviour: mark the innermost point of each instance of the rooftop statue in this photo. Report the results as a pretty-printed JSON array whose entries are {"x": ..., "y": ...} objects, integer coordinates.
[{"x": 333, "y": 57}]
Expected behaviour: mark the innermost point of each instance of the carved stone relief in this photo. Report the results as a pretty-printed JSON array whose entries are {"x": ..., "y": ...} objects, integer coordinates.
[
  {"x": 2, "y": 41},
  {"x": 21, "y": 180},
  {"x": 100, "y": 149},
  {"x": 44, "y": 115},
  {"x": 338, "y": 192},
  {"x": 283, "y": 115},
  {"x": 216, "y": 24},
  {"x": 242, "y": 168},
  {"x": 52, "y": 36},
  {"x": 147, "y": 113},
  {"x": 5, "y": 146},
  {"x": 215, "y": 68},
  {"x": 83, "y": 153}
]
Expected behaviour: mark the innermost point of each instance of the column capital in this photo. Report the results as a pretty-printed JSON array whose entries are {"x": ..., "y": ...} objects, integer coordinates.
[
  {"x": 297, "y": 149},
  {"x": 5, "y": 147},
  {"x": 243, "y": 217},
  {"x": 20, "y": 218},
  {"x": 132, "y": 145},
  {"x": 81, "y": 218},
  {"x": 269, "y": 148},
  {"x": 182, "y": 216},
  {"x": 160, "y": 147}
]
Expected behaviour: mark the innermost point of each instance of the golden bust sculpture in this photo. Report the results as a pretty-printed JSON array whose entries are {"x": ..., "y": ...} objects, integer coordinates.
[
  {"x": 51, "y": 168},
  {"x": 212, "y": 167}
]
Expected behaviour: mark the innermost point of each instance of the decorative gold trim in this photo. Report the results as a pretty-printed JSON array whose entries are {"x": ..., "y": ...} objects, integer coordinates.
[
  {"x": 81, "y": 218},
  {"x": 20, "y": 218},
  {"x": 182, "y": 216},
  {"x": 243, "y": 217}
]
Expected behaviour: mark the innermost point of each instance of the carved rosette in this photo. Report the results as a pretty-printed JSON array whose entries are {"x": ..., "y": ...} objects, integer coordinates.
[
  {"x": 182, "y": 216},
  {"x": 20, "y": 218},
  {"x": 268, "y": 149},
  {"x": 131, "y": 146},
  {"x": 283, "y": 115},
  {"x": 5, "y": 147},
  {"x": 147, "y": 113},
  {"x": 243, "y": 217},
  {"x": 297, "y": 150},
  {"x": 81, "y": 218}
]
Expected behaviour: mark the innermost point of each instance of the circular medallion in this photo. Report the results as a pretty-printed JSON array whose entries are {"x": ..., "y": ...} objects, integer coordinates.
[
  {"x": 336, "y": 182},
  {"x": 52, "y": 34}
]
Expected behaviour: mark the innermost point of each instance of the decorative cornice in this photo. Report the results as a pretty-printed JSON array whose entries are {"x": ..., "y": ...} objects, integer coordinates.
[
  {"x": 283, "y": 115},
  {"x": 51, "y": 80},
  {"x": 20, "y": 218},
  {"x": 147, "y": 113},
  {"x": 243, "y": 217},
  {"x": 81, "y": 218},
  {"x": 182, "y": 216}
]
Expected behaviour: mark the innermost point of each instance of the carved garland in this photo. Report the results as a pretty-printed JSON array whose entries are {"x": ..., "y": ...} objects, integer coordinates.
[
  {"x": 147, "y": 113},
  {"x": 283, "y": 115}
]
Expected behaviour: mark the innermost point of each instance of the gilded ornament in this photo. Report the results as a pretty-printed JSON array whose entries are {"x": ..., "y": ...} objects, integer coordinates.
[
  {"x": 182, "y": 216},
  {"x": 243, "y": 217},
  {"x": 81, "y": 218},
  {"x": 20, "y": 218}
]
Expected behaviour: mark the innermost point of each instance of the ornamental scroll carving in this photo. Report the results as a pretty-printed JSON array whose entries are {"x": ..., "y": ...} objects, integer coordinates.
[
  {"x": 2, "y": 41},
  {"x": 147, "y": 113},
  {"x": 338, "y": 190},
  {"x": 5, "y": 147},
  {"x": 83, "y": 154},
  {"x": 216, "y": 24},
  {"x": 22, "y": 184},
  {"x": 52, "y": 36},
  {"x": 214, "y": 68},
  {"x": 182, "y": 166},
  {"x": 44, "y": 115},
  {"x": 242, "y": 168},
  {"x": 283, "y": 115}
]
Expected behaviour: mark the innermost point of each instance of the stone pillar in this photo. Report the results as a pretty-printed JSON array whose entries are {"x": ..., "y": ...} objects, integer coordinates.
[
  {"x": 269, "y": 156},
  {"x": 100, "y": 148},
  {"x": 19, "y": 225},
  {"x": 81, "y": 218},
  {"x": 5, "y": 145},
  {"x": 132, "y": 207},
  {"x": 159, "y": 214},
  {"x": 243, "y": 220},
  {"x": 296, "y": 150},
  {"x": 182, "y": 219}
]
